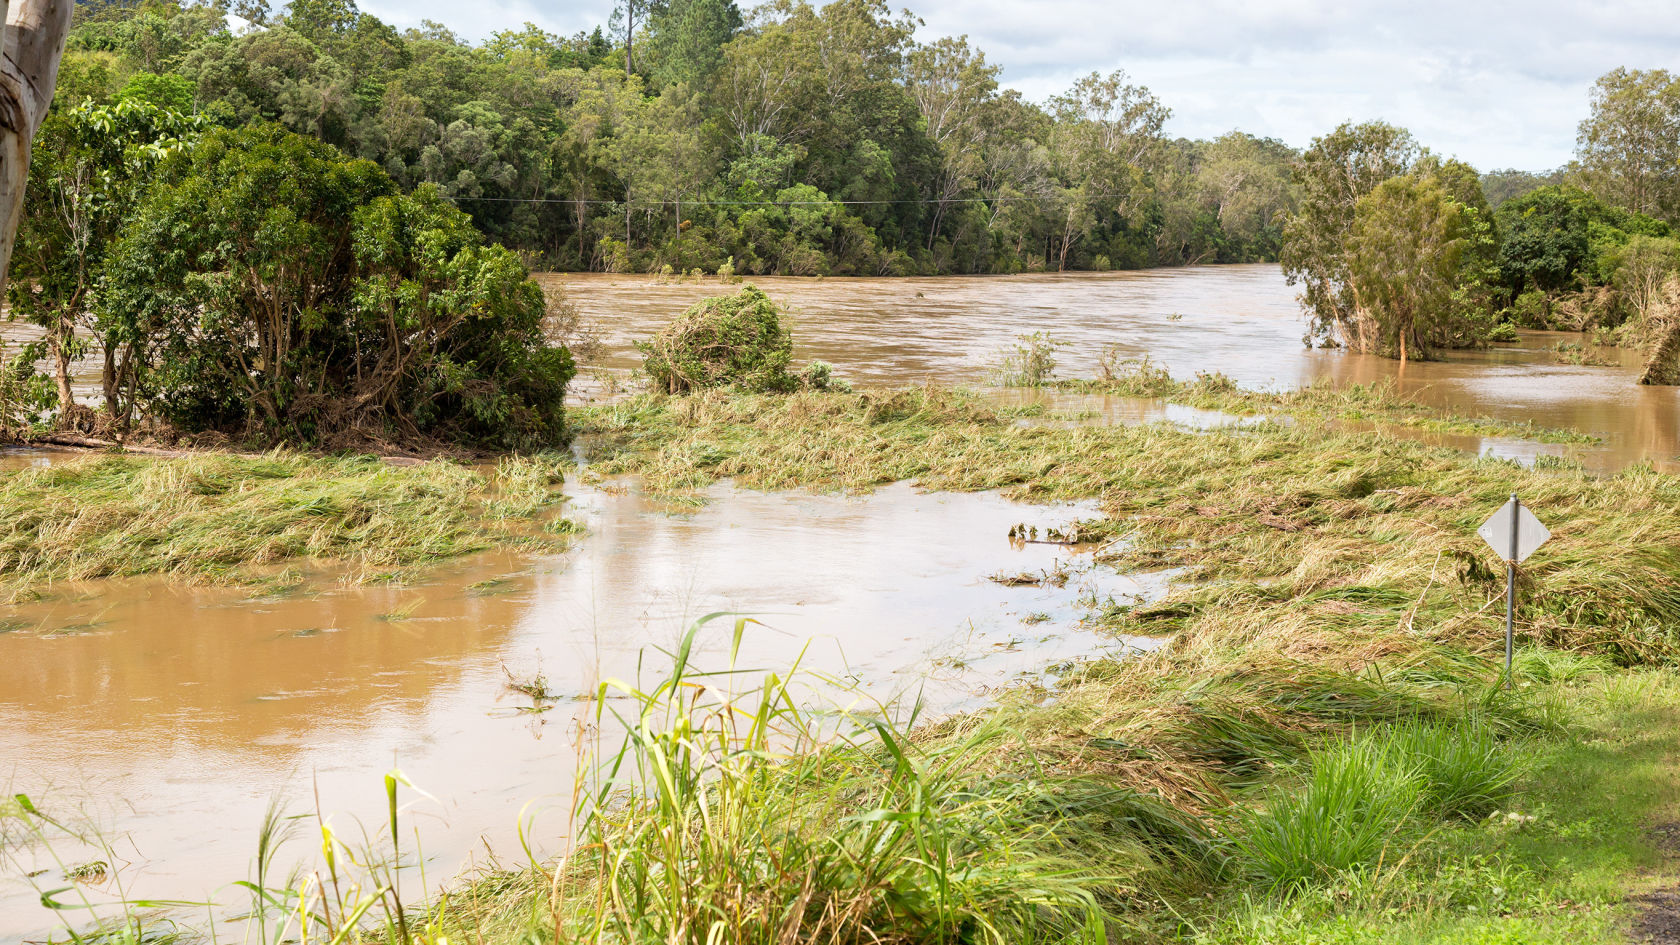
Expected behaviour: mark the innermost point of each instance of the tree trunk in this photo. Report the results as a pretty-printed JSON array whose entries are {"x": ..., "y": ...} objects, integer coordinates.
[
  {"x": 34, "y": 44},
  {"x": 64, "y": 333}
]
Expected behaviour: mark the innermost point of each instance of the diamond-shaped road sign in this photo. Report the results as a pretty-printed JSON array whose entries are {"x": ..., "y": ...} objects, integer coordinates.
[{"x": 1529, "y": 533}]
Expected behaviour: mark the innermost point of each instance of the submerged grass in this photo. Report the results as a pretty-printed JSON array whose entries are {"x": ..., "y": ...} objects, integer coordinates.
[
  {"x": 218, "y": 516},
  {"x": 1324, "y": 539},
  {"x": 1322, "y": 400}
]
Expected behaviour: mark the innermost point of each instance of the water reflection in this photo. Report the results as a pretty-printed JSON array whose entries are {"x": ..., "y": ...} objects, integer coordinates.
[{"x": 176, "y": 711}]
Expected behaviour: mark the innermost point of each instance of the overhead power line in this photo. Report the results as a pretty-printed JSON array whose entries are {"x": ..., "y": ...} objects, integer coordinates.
[{"x": 769, "y": 203}]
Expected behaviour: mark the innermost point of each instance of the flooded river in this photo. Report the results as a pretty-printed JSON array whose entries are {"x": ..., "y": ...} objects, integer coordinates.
[
  {"x": 1242, "y": 321},
  {"x": 169, "y": 715}
]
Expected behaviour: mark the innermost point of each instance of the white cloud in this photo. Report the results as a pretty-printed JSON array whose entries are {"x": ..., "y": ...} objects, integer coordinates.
[{"x": 1496, "y": 83}]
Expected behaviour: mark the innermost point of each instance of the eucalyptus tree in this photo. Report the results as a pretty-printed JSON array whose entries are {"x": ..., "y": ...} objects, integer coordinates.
[
  {"x": 1107, "y": 140},
  {"x": 1629, "y": 146},
  {"x": 953, "y": 87},
  {"x": 1408, "y": 252},
  {"x": 1332, "y": 176},
  {"x": 33, "y": 45}
]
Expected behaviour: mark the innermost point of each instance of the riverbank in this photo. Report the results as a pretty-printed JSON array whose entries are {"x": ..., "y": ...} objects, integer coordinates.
[
  {"x": 1320, "y": 752},
  {"x": 1323, "y": 753}
]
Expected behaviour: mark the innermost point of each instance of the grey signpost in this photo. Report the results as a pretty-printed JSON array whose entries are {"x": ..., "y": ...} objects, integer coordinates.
[{"x": 1513, "y": 533}]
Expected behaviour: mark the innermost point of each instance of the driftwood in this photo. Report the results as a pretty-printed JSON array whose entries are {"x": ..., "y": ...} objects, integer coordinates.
[
  {"x": 1663, "y": 315},
  {"x": 33, "y": 46},
  {"x": 72, "y": 441}
]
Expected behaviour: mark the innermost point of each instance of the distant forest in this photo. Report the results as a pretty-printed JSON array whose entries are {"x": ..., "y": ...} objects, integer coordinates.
[{"x": 692, "y": 134}]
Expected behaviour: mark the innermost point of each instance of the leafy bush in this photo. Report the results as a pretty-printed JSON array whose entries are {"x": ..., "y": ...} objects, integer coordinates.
[
  {"x": 1031, "y": 362},
  {"x": 269, "y": 287},
  {"x": 729, "y": 341}
]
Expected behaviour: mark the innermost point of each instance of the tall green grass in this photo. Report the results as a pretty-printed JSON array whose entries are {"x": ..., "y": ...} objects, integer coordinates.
[
  {"x": 737, "y": 815},
  {"x": 1356, "y": 796},
  {"x": 1361, "y": 797}
]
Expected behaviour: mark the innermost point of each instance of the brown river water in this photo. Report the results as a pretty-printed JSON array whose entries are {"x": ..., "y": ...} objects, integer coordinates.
[
  {"x": 166, "y": 716},
  {"x": 1242, "y": 321}
]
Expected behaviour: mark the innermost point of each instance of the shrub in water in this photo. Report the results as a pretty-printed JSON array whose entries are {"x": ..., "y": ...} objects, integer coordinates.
[
  {"x": 735, "y": 340},
  {"x": 1031, "y": 363}
]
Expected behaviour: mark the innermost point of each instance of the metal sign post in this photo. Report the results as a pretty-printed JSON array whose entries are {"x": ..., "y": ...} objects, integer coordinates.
[{"x": 1514, "y": 533}]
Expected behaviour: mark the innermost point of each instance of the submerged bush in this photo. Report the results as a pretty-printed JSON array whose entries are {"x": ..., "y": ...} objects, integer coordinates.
[
  {"x": 269, "y": 287},
  {"x": 1030, "y": 363},
  {"x": 735, "y": 340}
]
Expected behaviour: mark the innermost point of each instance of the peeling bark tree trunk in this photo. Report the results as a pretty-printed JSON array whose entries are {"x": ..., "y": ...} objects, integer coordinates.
[{"x": 34, "y": 44}]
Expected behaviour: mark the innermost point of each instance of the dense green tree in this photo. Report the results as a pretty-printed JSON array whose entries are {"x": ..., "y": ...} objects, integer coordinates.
[
  {"x": 686, "y": 40},
  {"x": 1332, "y": 176},
  {"x": 91, "y": 165},
  {"x": 1412, "y": 261},
  {"x": 914, "y": 156},
  {"x": 1630, "y": 145},
  {"x": 1108, "y": 140},
  {"x": 1545, "y": 238},
  {"x": 270, "y": 287}
]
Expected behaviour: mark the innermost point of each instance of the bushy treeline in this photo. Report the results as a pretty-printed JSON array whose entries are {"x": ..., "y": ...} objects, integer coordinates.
[
  {"x": 784, "y": 139},
  {"x": 259, "y": 284},
  {"x": 1402, "y": 252}
]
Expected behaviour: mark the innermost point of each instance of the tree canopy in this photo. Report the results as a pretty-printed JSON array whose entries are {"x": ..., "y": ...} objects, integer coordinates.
[{"x": 788, "y": 138}]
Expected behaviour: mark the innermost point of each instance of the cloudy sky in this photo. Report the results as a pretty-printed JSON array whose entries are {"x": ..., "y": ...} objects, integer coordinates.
[{"x": 1499, "y": 84}]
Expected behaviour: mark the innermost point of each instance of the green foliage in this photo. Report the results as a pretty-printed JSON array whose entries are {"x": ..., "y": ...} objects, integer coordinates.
[
  {"x": 1359, "y": 796},
  {"x": 1463, "y": 770},
  {"x": 1030, "y": 363},
  {"x": 869, "y": 154},
  {"x": 1630, "y": 144},
  {"x": 1356, "y": 796},
  {"x": 268, "y": 287},
  {"x": 725, "y": 341},
  {"x": 1545, "y": 238},
  {"x": 1419, "y": 265},
  {"x": 170, "y": 91},
  {"x": 90, "y": 166},
  {"x": 1333, "y": 176},
  {"x": 716, "y": 822}
]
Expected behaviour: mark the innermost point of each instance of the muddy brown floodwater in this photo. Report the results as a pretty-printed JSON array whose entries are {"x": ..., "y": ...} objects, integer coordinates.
[
  {"x": 167, "y": 716},
  {"x": 1239, "y": 320}
]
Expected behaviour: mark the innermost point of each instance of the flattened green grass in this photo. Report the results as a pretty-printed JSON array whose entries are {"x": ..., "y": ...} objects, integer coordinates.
[
  {"x": 217, "y": 515},
  {"x": 1349, "y": 543}
]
